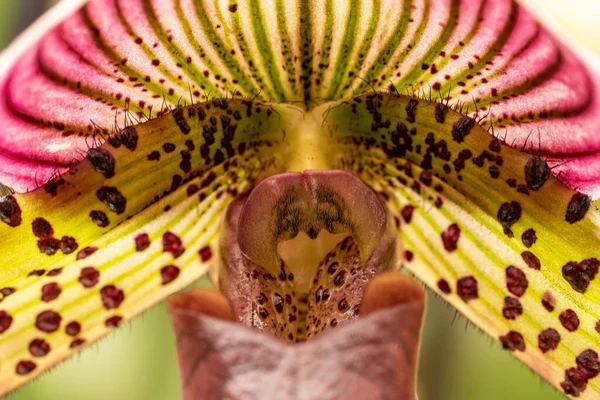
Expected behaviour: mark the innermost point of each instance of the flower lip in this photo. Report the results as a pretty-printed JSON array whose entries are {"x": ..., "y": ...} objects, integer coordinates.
[{"x": 283, "y": 205}]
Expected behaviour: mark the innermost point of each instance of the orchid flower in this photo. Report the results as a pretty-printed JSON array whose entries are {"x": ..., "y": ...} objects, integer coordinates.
[{"x": 146, "y": 143}]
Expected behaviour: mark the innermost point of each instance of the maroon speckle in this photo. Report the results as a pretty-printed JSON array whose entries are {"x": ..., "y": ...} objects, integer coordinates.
[
  {"x": 142, "y": 242},
  {"x": 579, "y": 275},
  {"x": 169, "y": 273},
  {"x": 531, "y": 260},
  {"x": 516, "y": 281},
  {"x": 48, "y": 246},
  {"x": 113, "y": 322},
  {"x": 48, "y": 321},
  {"x": 73, "y": 328},
  {"x": 444, "y": 286},
  {"x": 68, "y": 244},
  {"x": 512, "y": 308},
  {"x": 467, "y": 288},
  {"x": 129, "y": 137},
  {"x": 172, "y": 244},
  {"x": 575, "y": 381},
  {"x": 578, "y": 207},
  {"x": 102, "y": 161},
  {"x": 50, "y": 291},
  {"x": 408, "y": 255},
  {"x": 42, "y": 228},
  {"x": 89, "y": 277},
  {"x": 37, "y": 272},
  {"x": 205, "y": 253},
  {"x": 340, "y": 278},
  {"x": 10, "y": 212},
  {"x": 548, "y": 340},
  {"x": 569, "y": 320},
  {"x": 509, "y": 214},
  {"x": 113, "y": 199},
  {"x": 529, "y": 237},
  {"x": 55, "y": 272},
  {"x": 112, "y": 297},
  {"x": 278, "y": 302},
  {"x": 25, "y": 367},
  {"x": 588, "y": 361},
  {"x": 548, "y": 301},
  {"x": 76, "y": 343},
  {"x": 7, "y": 291},
  {"x": 407, "y": 213},
  {"x": 39, "y": 347},
  {"x": 513, "y": 341},
  {"x": 450, "y": 237},
  {"x": 99, "y": 218},
  {"x": 86, "y": 252},
  {"x": 263, "y": 312},
  {"x": 343, "y": 305},
  {"x": 537, "y": 172},
  {"x": 5, "y": 321}
]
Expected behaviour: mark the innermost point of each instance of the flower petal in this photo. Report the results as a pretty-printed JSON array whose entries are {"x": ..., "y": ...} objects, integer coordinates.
[
  {"x": 484, "y": 225},
  {"x": 134, "y": 222},
  {"x": 492, "y": 57}
]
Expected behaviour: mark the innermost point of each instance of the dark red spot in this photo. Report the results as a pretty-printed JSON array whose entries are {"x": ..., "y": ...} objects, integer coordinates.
[
  {"x": 142, "y": 242},
  {"x": 42, "y": 228},
  {"x": 512, "y": 308},
  {"x": 444, "y": 286},
  {"x": 263, "y": 312},
  {"x": 407, "y": 213},
  {"x": 529, "y": 237},
  {"x": 508, "y": 215},
  {"x": 76, "y": 343},
  {"x": 531, "y": 260},
  {"x": 99, "y": 218},
  {"x": 278, "y": 302},
  {"x": 7, "y": 291},
  {"x": 10, "y": 212},
  {"x": 25, "y": 367},
  {"x": 50, "y": 291},
  {"x": 588, "y": 361},
  {"x": 39, "y": 347},
  {"x": 5, "y": 321},
  {"x": 450, "y": 237},
  {"x": 575, "y": 381},
  {"x": 579, "y": 275},
  {"x": 73, "y": 328},
  {"x": 408, "y": 255},
  {"x": 548, "y": 340},
  {"x": 86, "y": 252},
  {"x": 68, "y": 244},
  {"x": 205, "y": 253},
  {"x": 129, "y": 137},
  {"x": 48, "y": 321},
  {"x": 578, "y": 207},
  {"x": 37, "y": 272},
  {"x": 102, "y": 161},
  {"x": 548, "y": 301},
  {"x": 537, "y": 172},
  {"x": 48, "y": 246},
  {"x": 516, "y": 281},
  {"x": 333, "y": 268},
  {"x": 55, "y": 272},
  {"x": 513, "y": 341},
  {"x": 112, "y": 297},
  {"x": 340, "y": 278},
  {"x": 113, "y": 199},
  {"x": 467, "y": 288},
  {"x": 113, "y": 322},
  {"x": 462, "y": 128},
  {"x": 343, "y": 305},
  {"x": 172, "y": 244},
  {"x": 169, "y": 273},
  {"x": 569, "y": 320},
  {"x": 89, "y": 277}
]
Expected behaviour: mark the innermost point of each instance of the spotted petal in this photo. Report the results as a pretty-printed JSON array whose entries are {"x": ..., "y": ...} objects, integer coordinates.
[{"x": 79, "y": 85}]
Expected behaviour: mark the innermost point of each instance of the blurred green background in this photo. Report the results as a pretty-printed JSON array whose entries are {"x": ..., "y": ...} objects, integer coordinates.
[{"x": 137, "y": 362}]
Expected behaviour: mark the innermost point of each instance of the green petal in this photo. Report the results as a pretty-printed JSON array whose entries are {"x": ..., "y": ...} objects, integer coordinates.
[
  {"x": 513, "y": 250},
  {"x": 134, "y": 222}
]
